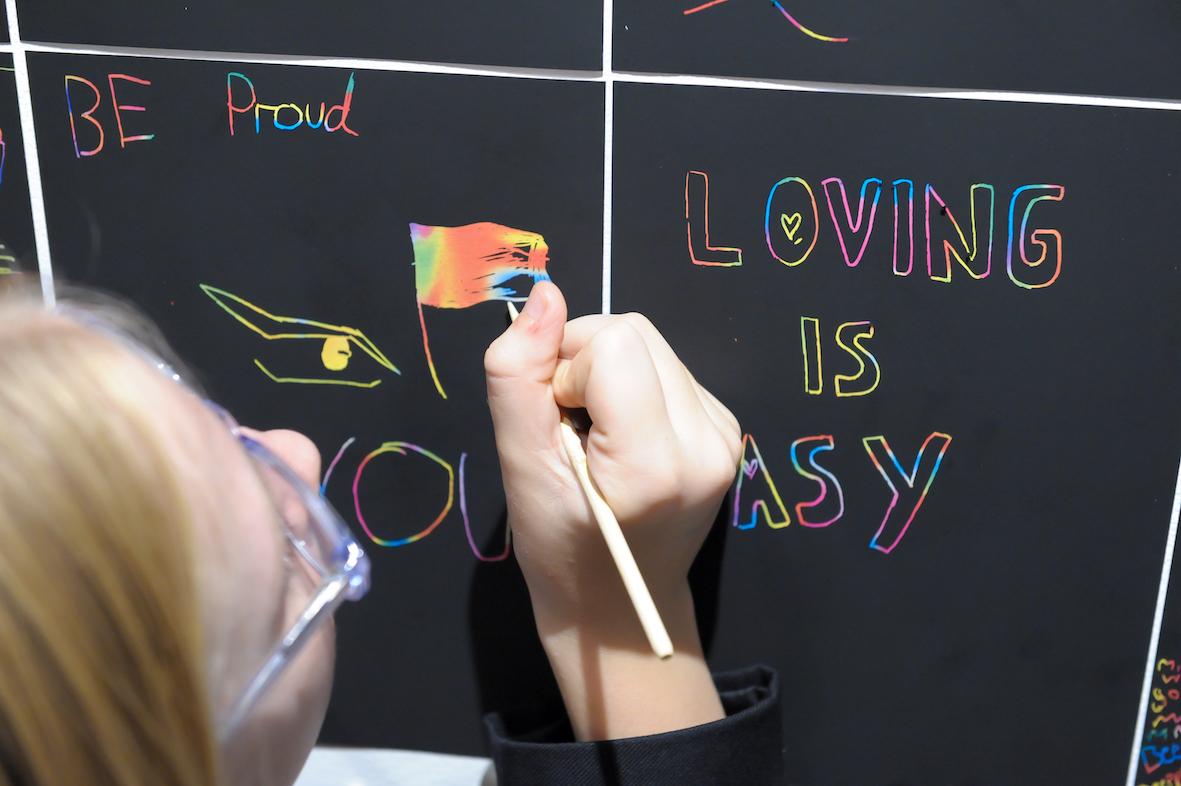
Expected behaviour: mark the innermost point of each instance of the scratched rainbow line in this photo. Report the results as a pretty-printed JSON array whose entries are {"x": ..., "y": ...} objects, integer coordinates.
[
  {"x": 401, "y": 448},
  {"x": 458, "y": 267},
  {"x": 337, "y": 339},
  {"x": 908, "y": 477},
  {"x": 828, "y": 39}
]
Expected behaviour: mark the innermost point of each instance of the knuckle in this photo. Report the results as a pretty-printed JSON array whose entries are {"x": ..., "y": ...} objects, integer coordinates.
[
  {"x": 721, "y": 476},
  {"x": 716, "y": 467},
  {"x": 619, "y": 339},
  {"x": 639, "y": 322},
  {"x": 734, "y": 437},
  {"x": 498, "y": 361}
]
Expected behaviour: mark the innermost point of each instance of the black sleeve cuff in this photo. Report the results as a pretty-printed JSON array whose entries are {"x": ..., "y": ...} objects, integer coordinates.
[{"x": 745, "y": 747}]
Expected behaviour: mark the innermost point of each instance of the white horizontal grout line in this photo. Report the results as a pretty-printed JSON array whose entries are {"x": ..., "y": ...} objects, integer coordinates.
[
  {"x": 697, "y": 80},
  {"x": 635, "y": 77},
  {"x": 364, "y": 63}
]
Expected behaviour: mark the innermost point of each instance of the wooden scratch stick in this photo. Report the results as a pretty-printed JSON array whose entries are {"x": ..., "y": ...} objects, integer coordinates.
[{"x": 625, "y": 562}]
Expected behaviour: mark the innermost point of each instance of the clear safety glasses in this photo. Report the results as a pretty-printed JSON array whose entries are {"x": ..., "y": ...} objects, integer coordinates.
[{"x": 326, "y": 567}]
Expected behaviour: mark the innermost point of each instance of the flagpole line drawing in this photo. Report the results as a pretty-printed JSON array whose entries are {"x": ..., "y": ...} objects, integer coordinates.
[
  {"x": 458, "y": 267},
  {"x": 337, "y": 346},
  {"x": 828, "y": 39}
]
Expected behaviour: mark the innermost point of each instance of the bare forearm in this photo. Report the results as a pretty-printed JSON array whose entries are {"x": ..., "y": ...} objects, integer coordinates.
[{"x": 612, "y": 685}]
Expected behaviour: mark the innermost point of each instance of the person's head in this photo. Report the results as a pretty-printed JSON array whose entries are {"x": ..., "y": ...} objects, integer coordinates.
[{"x": 147, "y": 570}]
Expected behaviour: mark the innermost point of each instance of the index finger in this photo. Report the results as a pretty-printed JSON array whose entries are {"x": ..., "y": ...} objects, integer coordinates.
[{"x": 614, "y": 378}]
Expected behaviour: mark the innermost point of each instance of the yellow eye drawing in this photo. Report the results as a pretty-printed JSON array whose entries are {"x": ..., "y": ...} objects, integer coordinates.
[{"x": 337, "y": 342}]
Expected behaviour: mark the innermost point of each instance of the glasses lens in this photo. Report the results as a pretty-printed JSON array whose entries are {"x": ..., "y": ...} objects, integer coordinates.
[{"x": 301, "y": 514}]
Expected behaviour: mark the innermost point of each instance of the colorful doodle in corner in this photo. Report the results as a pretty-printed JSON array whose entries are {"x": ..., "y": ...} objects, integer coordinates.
[{"x": 1160, "y": 747}]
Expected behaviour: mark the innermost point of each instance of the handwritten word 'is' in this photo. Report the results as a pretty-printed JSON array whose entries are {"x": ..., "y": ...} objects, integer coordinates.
[
  {"x": 287, "y": 116},
  {"x": 791, "y": 227}
]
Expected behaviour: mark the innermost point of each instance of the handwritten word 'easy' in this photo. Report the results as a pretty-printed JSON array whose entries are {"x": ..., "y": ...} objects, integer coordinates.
[{"x": 756, "y": 495}]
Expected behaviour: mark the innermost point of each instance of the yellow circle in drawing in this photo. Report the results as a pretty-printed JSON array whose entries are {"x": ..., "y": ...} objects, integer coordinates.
[{"x": 336, "y": 353}]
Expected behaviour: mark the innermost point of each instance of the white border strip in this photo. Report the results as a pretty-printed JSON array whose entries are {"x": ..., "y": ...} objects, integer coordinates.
[
  {"x": 608, "y": 146},
  {"x": 799, "y": 85},
  {"x": 1154, "y": 642},
  {"x": 607, "y": 75},
  {"x": 361, "y": 63},
  {"x": 32, "y": 162}
]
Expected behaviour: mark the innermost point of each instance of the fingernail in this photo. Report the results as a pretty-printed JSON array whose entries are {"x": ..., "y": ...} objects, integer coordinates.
[{"x": 535, "y": 306}]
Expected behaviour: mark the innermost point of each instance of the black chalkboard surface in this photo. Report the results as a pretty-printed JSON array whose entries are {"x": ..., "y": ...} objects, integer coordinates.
[
  {"x": 530, "y": 33},
  {"x": 1074, "y": 46},
  {"x": 223, "y": 238},
  {"x": 945, "y": 327},
  {"x": 17, "y": 249}
]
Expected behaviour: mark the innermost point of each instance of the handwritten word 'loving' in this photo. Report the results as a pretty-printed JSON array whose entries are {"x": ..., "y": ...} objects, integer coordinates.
[{"x": 791, "y": 226}]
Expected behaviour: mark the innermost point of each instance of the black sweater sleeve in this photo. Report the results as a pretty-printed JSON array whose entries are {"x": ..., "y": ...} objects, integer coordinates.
[{"x": 745, "y": 747}]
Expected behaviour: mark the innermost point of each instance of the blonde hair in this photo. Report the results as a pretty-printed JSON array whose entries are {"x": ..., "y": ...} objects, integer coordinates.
[{"x": 101, "y": 649}]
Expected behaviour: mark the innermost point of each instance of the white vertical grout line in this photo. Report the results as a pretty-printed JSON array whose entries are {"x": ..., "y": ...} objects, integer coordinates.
[
  {"x": 1157, "y": 620},
  {"x": 24, "y": 99},
  {"x": 608, "y": 134}
]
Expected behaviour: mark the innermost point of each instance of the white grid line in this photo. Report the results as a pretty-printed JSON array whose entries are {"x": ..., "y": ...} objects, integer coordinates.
[
  {"x": 805, "y": 86},
  {"x": 1154, "y": 642},
  {"x": 608, "y": 75},
  {"x": 32, "y": 166},
  {"x": 608, "y": 145},
  {"x": 316, "y": 61}
]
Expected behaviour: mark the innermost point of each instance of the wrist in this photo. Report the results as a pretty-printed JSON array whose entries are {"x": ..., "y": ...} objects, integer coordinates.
[{"x": 612, "y": 684}]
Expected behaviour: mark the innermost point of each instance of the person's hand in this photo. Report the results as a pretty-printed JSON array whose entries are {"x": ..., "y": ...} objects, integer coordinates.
[{"x": 663, "y": 452}]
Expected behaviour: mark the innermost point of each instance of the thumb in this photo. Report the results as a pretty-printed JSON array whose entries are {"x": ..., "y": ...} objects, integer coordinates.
[{"x": 519, "y": 366}]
